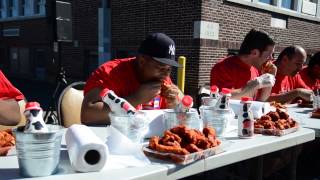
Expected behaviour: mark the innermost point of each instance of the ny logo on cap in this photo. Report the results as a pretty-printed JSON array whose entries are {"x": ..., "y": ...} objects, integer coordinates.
[{"x": 172, "y": 50}]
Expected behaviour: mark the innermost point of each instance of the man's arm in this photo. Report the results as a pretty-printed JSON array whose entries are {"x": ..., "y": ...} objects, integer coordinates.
[
  {"x": 291, "y": 95},
  {"x": 93, "y": 110},
  {"x": 249, "y": 90},
  {"x": 9, "y": 112},
  {"x": 264, "y": 94}
]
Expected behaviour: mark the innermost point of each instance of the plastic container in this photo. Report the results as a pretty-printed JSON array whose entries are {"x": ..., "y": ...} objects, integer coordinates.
[
  {"x": 189, "y": 119},
  {"x": 132, "y": 126},
  {"x": 38, "y": 153},
  {"x": 216, "y": 118},
  {"x": 276, "y": 132},
  {"x": 184, "y": 159}
]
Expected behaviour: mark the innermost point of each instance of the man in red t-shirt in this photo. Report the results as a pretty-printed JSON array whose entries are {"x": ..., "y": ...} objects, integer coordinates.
[
  {"x": 241, "y": 72},
  {"x": 289, "y": 84},
  {"x": 138, "y": 79},
  {"x": 9, "y": 97},
  {"x": 311, "y": 74}
]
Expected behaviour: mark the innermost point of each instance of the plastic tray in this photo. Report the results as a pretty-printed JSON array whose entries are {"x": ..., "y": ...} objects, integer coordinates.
[
  {"x": 276, "y": 132},
  {"x": 184, "y": 159},
  {"x": 305, "y": 105},
  {"x": 6, "y": 151}
]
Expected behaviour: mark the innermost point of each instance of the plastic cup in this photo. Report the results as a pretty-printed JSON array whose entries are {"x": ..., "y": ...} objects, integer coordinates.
[{"x": 132, "y": 126}]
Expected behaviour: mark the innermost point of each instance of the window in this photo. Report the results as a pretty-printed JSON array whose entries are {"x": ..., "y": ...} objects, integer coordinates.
[
  {"x": 305, "y": 9},
  {"x": 288, "y": 4},
  {"x": 9, "y": 8},
  {"x": 37, "y": 6},
  {"x": 22, "y": 4},
  {"x": 1, "y": 9},
  {"x": 271, "y": 2},
  {"x": 266, "y": 1}
]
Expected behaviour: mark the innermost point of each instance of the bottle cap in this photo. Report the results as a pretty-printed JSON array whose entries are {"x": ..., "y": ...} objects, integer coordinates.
[
  {"x": 104, "y": 92},
  {"x": 226, "y": 91},
  {"x": 214, "y": 88},
  {"x": 246, "y": 98},
  {"x": 187, "y": 101},
  {"x": 32, "y": 105}
]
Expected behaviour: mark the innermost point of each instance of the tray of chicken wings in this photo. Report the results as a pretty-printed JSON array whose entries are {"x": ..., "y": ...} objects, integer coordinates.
[
  {"x": 182, "y": 145},
  {"x": 277, "y": 123},
  {"x": 7, "y": 141}
]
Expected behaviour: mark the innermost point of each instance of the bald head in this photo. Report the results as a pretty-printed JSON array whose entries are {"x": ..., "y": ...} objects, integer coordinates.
[{"x": 291, "y": 60}]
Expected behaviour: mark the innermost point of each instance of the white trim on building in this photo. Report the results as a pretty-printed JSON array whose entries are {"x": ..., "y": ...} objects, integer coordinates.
[{"x": 305, "y": 9}]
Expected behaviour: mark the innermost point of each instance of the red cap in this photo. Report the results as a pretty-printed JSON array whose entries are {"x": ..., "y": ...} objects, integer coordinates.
[
  {"x": 32, "y": 105},
  {"x": 187, "y": 100},
  {"x": 226, "y": 91},
  {"x": 246, "y": 98},
  {"x": 104, "y": 92},
  {"x": 214, "y": 88}
]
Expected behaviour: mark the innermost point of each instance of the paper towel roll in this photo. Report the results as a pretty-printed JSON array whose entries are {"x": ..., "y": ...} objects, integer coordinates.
[
  {"x": 258, "y": 108},
  {"x": 87, "y": 152}
]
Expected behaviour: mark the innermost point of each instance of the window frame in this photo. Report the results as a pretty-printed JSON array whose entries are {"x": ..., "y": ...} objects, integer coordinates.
[{"x": 296, "y": 12}]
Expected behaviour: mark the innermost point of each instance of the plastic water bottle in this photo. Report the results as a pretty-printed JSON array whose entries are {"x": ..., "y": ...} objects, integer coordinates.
[
  {"x": 185, "y": 104},
  {"x": 223, "y": 101},
  {"x": 117, "y": 104},
  {"x": 214, "y": 92},
  {"x": 316, "y": 99},
  {"x": 245, "y": 119},
  {"x": 212, "y": 99},
  {"x": 34, "y": 118}
]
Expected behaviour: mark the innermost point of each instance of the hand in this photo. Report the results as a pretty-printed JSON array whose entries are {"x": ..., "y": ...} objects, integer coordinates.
[
  {"x": 269, "y": 67},
  {"x": 147, "y": 91},
  {"x": 305, "y": 94},
  {"x": 172, "y": 94},
  {"x": 266, "y": 80}
]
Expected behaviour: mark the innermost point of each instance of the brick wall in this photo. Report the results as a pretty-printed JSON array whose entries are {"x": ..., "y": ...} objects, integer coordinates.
[
  {"x": 85, "y": 32},
  {"x": 34, "y": 34},
  {"x": 236, "y": 20},
  {"x": 38, "y": 33}
]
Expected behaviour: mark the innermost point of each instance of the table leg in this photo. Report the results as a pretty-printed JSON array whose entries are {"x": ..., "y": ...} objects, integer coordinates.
[
  {"x": 256, "y": 168},
  {"x": 293, "y": 165}
]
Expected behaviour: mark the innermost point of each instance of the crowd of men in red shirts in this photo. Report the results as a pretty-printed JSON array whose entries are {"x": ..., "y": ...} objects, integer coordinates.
[{"x": 139, "y": 79}]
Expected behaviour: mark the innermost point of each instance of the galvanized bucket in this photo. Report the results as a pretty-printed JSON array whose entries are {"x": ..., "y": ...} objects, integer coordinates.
[{"x": 38, "y": 153}]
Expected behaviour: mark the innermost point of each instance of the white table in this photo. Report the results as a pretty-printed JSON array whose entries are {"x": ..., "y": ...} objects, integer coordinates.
[
  {"x": 303, "y": 115},
  {"x": 239, "y": 149}
]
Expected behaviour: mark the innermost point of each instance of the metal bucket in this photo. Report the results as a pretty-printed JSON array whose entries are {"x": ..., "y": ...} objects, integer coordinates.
[
  {"x": 132, "y": 126},
  {"x": 189, "y": 119},
  {"x": 38, "y": 153}
]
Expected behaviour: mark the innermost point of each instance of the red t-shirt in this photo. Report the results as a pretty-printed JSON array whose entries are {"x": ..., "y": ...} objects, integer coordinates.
[
  {"x": 7, "y": 90},
  {"x": 119, "y": 75},
  {"x": 287, "y": 83},
  {"x": 232, "y": 73},
  {"x": 311, "y": 83}
]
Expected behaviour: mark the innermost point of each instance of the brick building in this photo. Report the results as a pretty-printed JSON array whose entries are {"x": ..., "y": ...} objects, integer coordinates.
[
  {"x": 289, "y": 21},
  {"x": 204, "y": 32},
  {"x": 27, "y": 36}
]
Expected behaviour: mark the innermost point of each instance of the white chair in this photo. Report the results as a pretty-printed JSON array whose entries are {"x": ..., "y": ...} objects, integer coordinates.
[{"x": 69, "y": 104}]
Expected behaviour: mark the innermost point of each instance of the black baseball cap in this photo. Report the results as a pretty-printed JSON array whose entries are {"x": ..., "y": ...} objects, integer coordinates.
[{"x": 160, "y": 47}]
